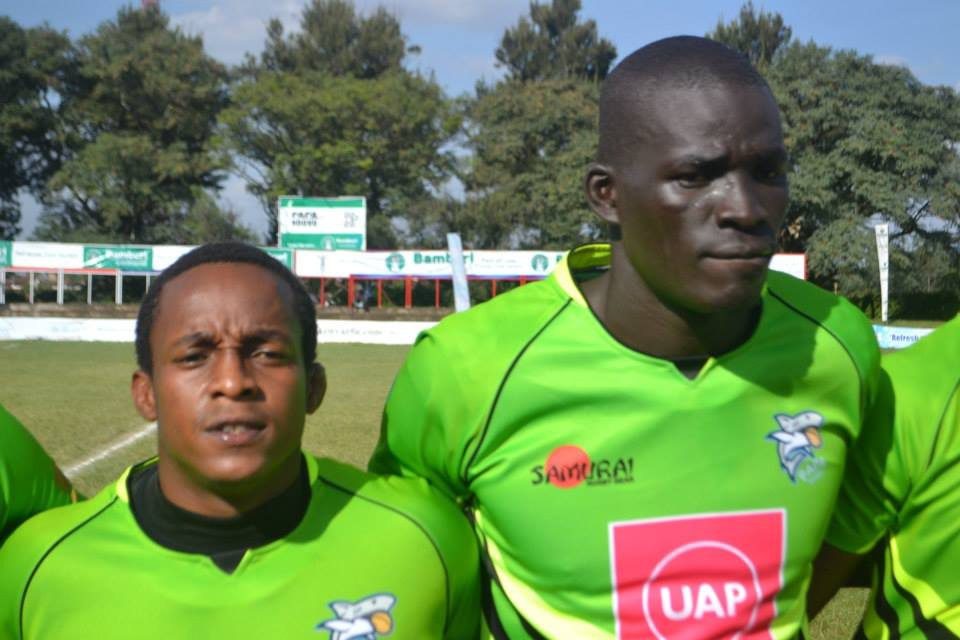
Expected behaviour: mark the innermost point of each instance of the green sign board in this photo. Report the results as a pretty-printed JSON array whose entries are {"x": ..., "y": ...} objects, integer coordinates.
[
  {"x": 285, "y": 256},
  {"x": 333, "y": 203},
  {"x": 118, "y": 257},
  {"x": 322, "y": 241},
  {"x": 6, "y": 253}
]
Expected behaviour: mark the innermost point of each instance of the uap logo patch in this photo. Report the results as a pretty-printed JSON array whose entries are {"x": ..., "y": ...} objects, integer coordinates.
[
  {"x": 366, "y": 619},
  {"x": 796, "y": 440},
  {"x": 697, "y": 576}
]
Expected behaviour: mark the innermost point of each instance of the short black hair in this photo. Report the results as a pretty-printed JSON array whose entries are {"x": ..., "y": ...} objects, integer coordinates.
[
  {"x": 230, "y": 252},
  {"x": 672, "y": 63}
]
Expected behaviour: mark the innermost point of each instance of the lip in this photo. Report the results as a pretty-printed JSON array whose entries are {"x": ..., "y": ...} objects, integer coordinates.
[
  {"x": 236, "y": 432},
  {"x": 742, "y": 253}
]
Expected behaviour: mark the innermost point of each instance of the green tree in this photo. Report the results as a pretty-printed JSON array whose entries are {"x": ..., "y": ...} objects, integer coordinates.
[
  {"x": 532, "y": 135},
  {"x": 758, "y": 35},
  {"x": 336, "y": 40},
  {"x": 554, "y": 44},
  {"x": 531, "y": 144},
  {"x": 138, "y": 117},
  {"x": 331, "y": 111},
  {"x": 33, "y": 63},
  {"x": 866, "y": 140}
]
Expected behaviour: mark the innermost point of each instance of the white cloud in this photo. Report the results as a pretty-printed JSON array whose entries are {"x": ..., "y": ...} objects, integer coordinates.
[
  {"x": 231, "y": 28},
  {"x": 479, "y": 15}
]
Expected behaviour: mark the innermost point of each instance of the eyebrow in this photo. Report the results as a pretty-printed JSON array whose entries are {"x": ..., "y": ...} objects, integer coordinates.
[
  {"x": 258, "y": 337},
  {"x": 777, "y": 154}
]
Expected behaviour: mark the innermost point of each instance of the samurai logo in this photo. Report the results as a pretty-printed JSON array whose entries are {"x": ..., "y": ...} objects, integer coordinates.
[
  {"x": 796, "y": 439},
  {"x": 366, "y": 619}
]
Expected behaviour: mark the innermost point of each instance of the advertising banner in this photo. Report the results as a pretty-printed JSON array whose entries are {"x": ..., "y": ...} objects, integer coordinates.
[
  {"x": 424, "y": 264},
  {"x": 124, "y": 258},
  {"x": 327, "y": 224},
  {"x": 6, "y": 253},
  {"x": 47, "y": 255}
]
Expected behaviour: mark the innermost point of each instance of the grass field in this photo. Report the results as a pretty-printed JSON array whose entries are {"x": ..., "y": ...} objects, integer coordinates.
[{"x": 75, "y": 398}]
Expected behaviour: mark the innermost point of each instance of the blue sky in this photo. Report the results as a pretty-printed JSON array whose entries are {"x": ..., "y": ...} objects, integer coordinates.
[{"x": 458, "y": 37}]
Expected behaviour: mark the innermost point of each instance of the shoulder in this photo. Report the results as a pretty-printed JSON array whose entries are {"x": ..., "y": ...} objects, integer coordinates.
[
  {"x": 925, "y": 375},
  {"x": 37, "y": 540},
  {"x": 510, "y": 319},
  {"x": 834, "y": 315},
  {"x": 409, "y": 498}
]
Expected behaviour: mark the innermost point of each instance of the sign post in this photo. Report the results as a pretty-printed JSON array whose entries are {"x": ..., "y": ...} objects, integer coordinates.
[
  {"x": 883, "y": 255},
  {"x": 326, "y": 224}
]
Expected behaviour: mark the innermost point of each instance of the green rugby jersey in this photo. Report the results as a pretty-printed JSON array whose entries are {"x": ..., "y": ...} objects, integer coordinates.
[
  {"x": 28, "y": 477},
  {"x": 903, "y": 490},
  {"x": 615, "y": 497},
  {"x": 372, "y": 557}
]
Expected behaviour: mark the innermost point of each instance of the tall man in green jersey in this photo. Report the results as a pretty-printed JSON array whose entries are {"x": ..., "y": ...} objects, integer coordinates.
[
  {"x": 651, "y": 440},
  {"x": 234, "y": 532},
  {"x": 30, "y": 481},
  {"x": 901, "y": 496}
]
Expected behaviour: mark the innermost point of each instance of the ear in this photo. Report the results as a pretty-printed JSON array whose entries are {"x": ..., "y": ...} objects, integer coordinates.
[
  {"x": 602, "y": 192},
  {"x": 141, "y": 388},
  {"x": 316, "y": 386}
]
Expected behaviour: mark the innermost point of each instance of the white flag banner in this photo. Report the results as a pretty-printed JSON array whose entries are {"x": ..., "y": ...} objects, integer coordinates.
[{"x": 883, "y": 256}]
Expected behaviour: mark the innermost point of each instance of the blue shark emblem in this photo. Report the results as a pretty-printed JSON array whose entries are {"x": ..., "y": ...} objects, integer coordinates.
[
  {"x": 366, "y": 619},
  {"x": 796, "y": 439}
]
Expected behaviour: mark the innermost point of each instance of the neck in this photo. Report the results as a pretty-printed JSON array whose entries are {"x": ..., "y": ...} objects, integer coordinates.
[
  {"x": 223, "y": 499},
  {"x": 635, "y": 316}
]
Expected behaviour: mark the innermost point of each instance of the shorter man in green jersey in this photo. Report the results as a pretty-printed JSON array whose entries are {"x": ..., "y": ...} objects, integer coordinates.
[
  {"x": 900, "y": 501},
  {"x": 234, "y": 532},
  {"x": 30, "y": 481}
]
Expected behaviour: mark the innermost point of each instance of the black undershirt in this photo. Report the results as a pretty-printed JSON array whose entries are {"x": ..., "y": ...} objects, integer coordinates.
[{"x": 224, "y": 540}]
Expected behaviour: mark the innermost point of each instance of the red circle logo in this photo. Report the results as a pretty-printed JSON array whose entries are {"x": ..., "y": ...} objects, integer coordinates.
[
  {"x": 703, "y": 589},
  {"x": 567, "y": 466}
]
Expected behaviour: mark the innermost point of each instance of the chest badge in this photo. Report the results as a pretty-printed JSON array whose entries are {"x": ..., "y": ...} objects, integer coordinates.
[
  {"x": 366, "y": 619},
  {"x": 796, "y": 439}
]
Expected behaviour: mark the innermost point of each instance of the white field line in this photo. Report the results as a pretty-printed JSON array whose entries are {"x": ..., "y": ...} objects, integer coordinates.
[{"x": 109, "y": 450}]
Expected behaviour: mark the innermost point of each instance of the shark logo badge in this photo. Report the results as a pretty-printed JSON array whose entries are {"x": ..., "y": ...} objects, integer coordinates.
[
  {"x": 366, "y": 619},
  {"x": 796, "y": 439}
]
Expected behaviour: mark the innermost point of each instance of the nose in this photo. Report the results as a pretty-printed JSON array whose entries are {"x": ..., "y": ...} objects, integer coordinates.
[
  {"x": 231, "y": 375},
  {"x": 740, "y": 203}
]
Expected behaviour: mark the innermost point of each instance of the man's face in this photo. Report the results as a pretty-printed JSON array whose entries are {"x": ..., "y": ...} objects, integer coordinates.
[
  {"x": 229, "y": 387},
  {"x": 700, "y": 196}
]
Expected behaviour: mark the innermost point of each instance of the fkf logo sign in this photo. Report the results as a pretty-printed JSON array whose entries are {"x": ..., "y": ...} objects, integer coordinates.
[{"x": 710, "y": 576}]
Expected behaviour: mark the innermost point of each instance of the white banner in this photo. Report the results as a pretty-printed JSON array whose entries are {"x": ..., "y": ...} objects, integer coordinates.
[
  {"x": 122, "y": 330},
  {"x": 423, "y": 264},
  {"x": 46, "y": 255},
  {"x": 308, "y": 263},
  {"x": 166, "y": 255},
  {"x": 68, "y": 329},
  {"x": 793, "y": 263},
  {"x": 883, "y": 257}
]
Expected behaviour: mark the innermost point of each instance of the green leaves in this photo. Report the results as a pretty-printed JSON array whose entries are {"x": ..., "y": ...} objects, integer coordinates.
[{"x": 138, "y": 112}]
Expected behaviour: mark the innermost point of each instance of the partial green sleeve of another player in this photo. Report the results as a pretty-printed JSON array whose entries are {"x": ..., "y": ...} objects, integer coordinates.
[
  {"x": 874, "y": 484},
  {"x": 28, "y": 477}
]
